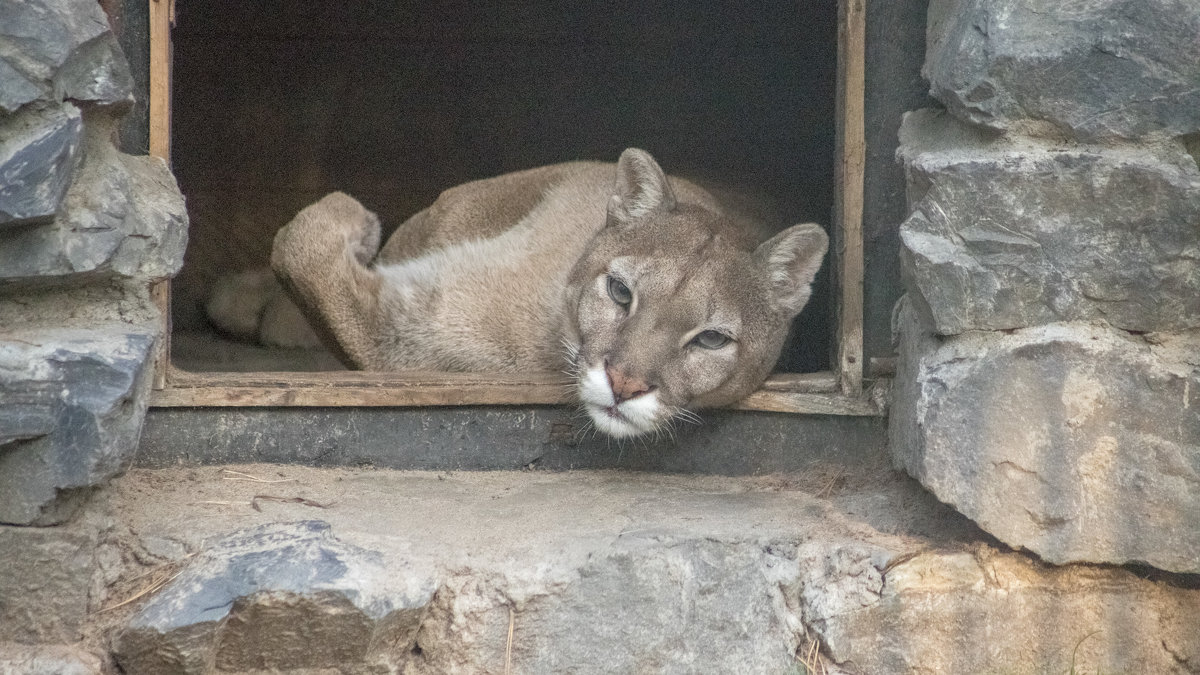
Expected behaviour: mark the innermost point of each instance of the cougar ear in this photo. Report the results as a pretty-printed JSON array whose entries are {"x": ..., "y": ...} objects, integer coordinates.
[
  {"x": 642, "y": 188},
  {"x": 792, "y": 258}
]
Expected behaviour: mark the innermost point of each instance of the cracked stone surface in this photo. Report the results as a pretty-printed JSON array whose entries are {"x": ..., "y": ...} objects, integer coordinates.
[
  {"x": 613, "y": 572},
  {"x": 1057, "y": 235},
  {"x": 1075, "y": 441},
  {"x": 1087, "y": 69}
]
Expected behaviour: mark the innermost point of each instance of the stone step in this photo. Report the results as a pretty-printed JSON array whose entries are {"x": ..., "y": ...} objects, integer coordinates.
[{"x": 839, "y": 569}]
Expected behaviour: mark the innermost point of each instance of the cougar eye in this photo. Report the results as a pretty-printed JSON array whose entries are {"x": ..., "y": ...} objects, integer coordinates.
[
  {"x": 711, "y": 339},
  {"x": 619, "y": 292}
]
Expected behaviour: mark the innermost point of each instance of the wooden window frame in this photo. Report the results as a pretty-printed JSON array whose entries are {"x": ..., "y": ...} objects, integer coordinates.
[{"x": 839, "y": 391}]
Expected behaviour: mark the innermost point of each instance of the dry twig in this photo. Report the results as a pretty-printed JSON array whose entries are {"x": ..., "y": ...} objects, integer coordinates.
[
  {"x": 812, "y": 661},
  {"x": 512, "y": 619},
  {"x": 238, "y": 475},
  {"x": 827, "y": 491},
  {"x": 159, "y": 577}
]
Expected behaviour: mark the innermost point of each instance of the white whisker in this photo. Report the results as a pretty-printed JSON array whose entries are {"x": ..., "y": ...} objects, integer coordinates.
[
  {"x": 571, "y": 356},
  {"x": 670, "y": 427},
  {"x": 688, "y": 416},
  {"x": 581, "y": 435}
]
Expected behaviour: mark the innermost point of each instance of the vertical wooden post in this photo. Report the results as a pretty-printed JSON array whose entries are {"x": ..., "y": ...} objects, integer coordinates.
[
  {"x": 848, "y": 208},
  {"x": 160, "y": 78},
  {"x": 161, "y": 17}
]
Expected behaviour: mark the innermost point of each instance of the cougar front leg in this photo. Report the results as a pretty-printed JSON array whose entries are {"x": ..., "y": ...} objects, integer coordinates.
[{"x": 321, "y": 258}]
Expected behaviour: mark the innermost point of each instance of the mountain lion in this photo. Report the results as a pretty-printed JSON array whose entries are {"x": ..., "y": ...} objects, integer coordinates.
[{"x": 655, "y": 294}]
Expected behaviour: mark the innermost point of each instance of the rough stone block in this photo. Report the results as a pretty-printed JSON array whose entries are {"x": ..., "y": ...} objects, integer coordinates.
[
  {"x": 38, "y": 155},
  {"x": 44, "y": 587},
  {"x": 1003, "y": 237},
  {"x": 96, "y": 72},
  {"x": 72, "y": 403},
  {"x": 276, "y": 597},
  {"x": 661, "y": 604},
  {"x": 1074, "y": 441},
  {"x": 122, "y": 217},
  {"x": 963, "y": 612},
  {"x": 59, "y": 49},
  {"x": 1090, "y": 69}
]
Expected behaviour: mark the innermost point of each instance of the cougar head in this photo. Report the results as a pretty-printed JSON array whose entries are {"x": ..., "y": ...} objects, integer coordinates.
[{"x": 677, "y": 306}]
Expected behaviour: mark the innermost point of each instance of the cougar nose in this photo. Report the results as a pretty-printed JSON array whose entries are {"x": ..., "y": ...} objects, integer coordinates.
[{"x": 624, "y": 386}]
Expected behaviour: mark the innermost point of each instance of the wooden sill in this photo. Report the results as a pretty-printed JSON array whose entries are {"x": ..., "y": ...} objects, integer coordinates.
[{"x": 812, "y": 393}]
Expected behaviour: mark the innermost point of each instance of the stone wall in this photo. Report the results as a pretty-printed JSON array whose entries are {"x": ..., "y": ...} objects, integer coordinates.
[
  {"x": 84, "y": 230},
  {"x": 1050, "y": 336},
  {"x": 1047, "y": 389}
]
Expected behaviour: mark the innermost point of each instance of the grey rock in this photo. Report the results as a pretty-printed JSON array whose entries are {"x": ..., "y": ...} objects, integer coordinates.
[
  {"x": 15, "y": 89},
  {"x": 670, "y": 605},
  {"x": 123, "y": 216},
  {"x": 1090, "y": 69},
  {"x": 59, "y": 49},
  {"x": 1074, "y": 441},
  {"x": 96, "y": 72},
  {"x": 38, "y": 155},
  {"x": 279, "y": 596},
  {"x": 72, "y": 403},
  {"x": 1003, "y": 236},
  {"x": 44, "y": 588}
]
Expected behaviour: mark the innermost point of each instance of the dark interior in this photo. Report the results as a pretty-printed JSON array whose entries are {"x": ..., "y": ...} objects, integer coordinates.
[{"x": 277, "y": 103}]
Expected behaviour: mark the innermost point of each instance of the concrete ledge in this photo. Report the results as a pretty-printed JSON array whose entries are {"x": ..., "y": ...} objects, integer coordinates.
[{"x": 500, "y": 437}]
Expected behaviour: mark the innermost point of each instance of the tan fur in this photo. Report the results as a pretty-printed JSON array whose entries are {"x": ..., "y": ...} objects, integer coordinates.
[{"x": 510, "y": 273}]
